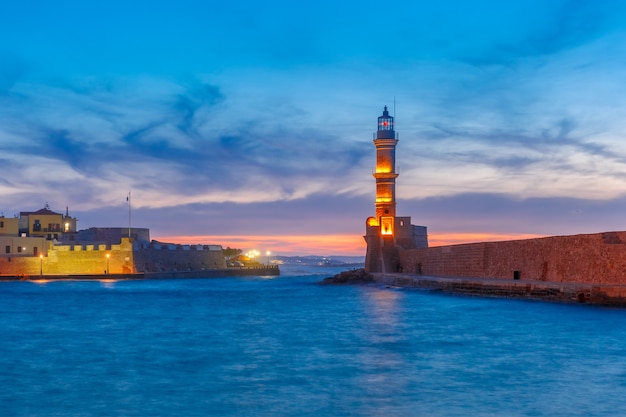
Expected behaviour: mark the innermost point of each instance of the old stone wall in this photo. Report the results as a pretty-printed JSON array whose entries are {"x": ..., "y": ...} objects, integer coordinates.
[
  {"x": 164, "y": 257},
  {"x": 111, "y": 234},
  {"x": 591, "y": 258},
  {"x": 19, "y": 265},
  {"x": 72, "y": 259},
  {"x": 123, "y": 258}
]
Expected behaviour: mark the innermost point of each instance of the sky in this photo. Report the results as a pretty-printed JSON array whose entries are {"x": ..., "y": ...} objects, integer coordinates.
[{"x": 249, "y": 124}]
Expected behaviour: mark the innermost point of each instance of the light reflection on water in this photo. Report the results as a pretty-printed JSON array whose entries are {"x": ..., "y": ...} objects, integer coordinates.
[{"x": 289, "y": 347}]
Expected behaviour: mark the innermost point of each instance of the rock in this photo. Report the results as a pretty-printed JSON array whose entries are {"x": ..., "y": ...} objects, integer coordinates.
[{"x": 355, "y": 276}]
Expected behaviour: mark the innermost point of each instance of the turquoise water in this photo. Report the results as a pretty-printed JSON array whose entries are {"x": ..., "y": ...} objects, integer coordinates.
[{"x": 284, "y": 346}]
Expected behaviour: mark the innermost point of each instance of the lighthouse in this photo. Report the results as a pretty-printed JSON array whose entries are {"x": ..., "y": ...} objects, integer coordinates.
[
  {"x": 385, "y": 233},
  {"x": 385, "y": 141}
]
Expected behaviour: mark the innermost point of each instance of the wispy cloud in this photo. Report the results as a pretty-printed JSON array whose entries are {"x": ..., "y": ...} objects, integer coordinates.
[
  {"x": 168, "y": 144},
  {"x": 265, "y": 114}
]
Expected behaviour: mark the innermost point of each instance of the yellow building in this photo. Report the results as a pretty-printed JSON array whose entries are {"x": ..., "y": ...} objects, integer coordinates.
[
  {"x": 17, "y": 242},
  {"x": 9, "y": 226},
  {"x": 46, "y": 223}
]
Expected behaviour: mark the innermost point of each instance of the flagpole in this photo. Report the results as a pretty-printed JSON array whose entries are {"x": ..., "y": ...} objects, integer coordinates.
[{"x": 128, "y": 214}]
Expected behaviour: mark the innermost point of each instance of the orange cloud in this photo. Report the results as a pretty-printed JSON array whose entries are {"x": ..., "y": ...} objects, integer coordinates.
[
  {"x": 442, "y": 239},
  {"x": 352, "y": 245},
  {"x": 349, "y": 245}
]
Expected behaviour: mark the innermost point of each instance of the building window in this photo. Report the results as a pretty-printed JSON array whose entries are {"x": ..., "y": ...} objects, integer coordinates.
[
  {"x": 7, "y": 249},
  {"x": 37, "y": 226},
  {"x": 387, "y": 225},
  {"x": 1, "y": 224},
  {"x": 19, "y": 249},
  {"x": 35, "y": 251}
]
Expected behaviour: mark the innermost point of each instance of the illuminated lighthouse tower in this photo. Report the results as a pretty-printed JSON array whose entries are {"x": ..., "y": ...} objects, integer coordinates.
[
  {"x": 386, "y": 234},
  {"x": 385, "y": 173}
]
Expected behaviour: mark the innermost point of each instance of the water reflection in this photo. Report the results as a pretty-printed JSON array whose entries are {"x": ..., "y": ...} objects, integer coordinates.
[
  {"x": 383, "y": 354},
  {"x": 107, "y": 283}
]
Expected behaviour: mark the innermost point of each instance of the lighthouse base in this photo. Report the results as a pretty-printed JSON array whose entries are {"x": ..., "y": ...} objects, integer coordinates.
[{"x": 382, "y": 253}]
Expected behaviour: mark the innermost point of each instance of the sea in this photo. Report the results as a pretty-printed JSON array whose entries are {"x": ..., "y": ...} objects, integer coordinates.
[{"x": 287, "y": 346}]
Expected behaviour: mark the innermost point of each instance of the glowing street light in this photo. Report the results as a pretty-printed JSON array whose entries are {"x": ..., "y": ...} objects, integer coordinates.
[
  {"x": 107, "y": 270},
  {"x": 40, "y": 266},
  {"x": 268, "y": 253}
]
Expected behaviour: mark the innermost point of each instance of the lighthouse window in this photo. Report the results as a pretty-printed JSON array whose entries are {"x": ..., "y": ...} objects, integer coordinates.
[{"x": 385, "y": 124}]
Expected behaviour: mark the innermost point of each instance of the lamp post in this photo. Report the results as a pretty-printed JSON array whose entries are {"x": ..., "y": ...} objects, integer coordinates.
[
  {"x": 40, "y": 266},
  {"x": 268, "y": 253},
  {"x": 107, "y": 270}
]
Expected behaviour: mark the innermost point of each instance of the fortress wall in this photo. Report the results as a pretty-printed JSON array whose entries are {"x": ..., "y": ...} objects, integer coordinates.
[
  {"x": 159, "y": 258},
  {"x": 112, "y": 234},
  {"x": 72, "y": 260},
  {"x": 91, "y": 258},
  {"x": 19, "y": 265},
  {"x": 591, "y": 258}
]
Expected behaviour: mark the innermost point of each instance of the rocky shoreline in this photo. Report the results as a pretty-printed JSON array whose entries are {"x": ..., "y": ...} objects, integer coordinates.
[
  {"x": 585, "y": 293},
  {"x": 354, "y": 276}
]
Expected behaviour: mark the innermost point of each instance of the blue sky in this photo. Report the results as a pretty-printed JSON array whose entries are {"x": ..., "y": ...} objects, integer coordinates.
[{"x": 252, "y": 121}]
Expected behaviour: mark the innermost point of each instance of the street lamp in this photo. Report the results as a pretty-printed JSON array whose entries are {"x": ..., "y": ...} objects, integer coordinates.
[
  {"x": 40, "y": 266},
  {"x": 268, "y": 253},
  {"x": 107, "y": 270}
]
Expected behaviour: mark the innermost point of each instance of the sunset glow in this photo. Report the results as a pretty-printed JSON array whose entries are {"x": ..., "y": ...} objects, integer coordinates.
[
  {"x": 442, "y": 239},
  {"x": 509, "y": 123},
  {"x": 352, "y": 245}
]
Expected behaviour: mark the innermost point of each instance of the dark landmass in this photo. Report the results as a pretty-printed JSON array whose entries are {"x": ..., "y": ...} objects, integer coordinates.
[
  {"x": 316, "y": 260},
  {"x": 355, "y": 276}
]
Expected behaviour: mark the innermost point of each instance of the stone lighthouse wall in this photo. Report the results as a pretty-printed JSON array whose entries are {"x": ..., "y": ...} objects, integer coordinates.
[{"x": 588, "y": 258}]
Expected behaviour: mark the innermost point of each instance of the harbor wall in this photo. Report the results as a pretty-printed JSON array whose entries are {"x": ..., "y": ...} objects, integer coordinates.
[
  {"x": 155, "y": 257},
  {"x": 586, "y": 258},
  {"x": 127, "y": 257},
  {"x": 73, "y": 259},
  {"x": 263, "y": 270}
]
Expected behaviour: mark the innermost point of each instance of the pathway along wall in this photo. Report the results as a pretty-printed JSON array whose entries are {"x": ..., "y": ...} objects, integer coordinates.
[{"x": 591, "y": 258}]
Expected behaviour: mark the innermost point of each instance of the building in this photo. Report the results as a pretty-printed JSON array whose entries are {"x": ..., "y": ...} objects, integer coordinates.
[
  {"x": 47, "y": 224},
  {"x": 9, "y": 226},
  {"x": 44, "y": 242},
  {"x": 13, "y": 243},
  {"x": 386, "y": 233}
]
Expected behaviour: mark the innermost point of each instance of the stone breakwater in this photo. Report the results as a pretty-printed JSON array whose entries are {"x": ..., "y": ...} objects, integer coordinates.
[
  {"x": 355, "y": 276},
  {"x": 267, "y": 270},
  {"x": 614, "y": 295}
]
